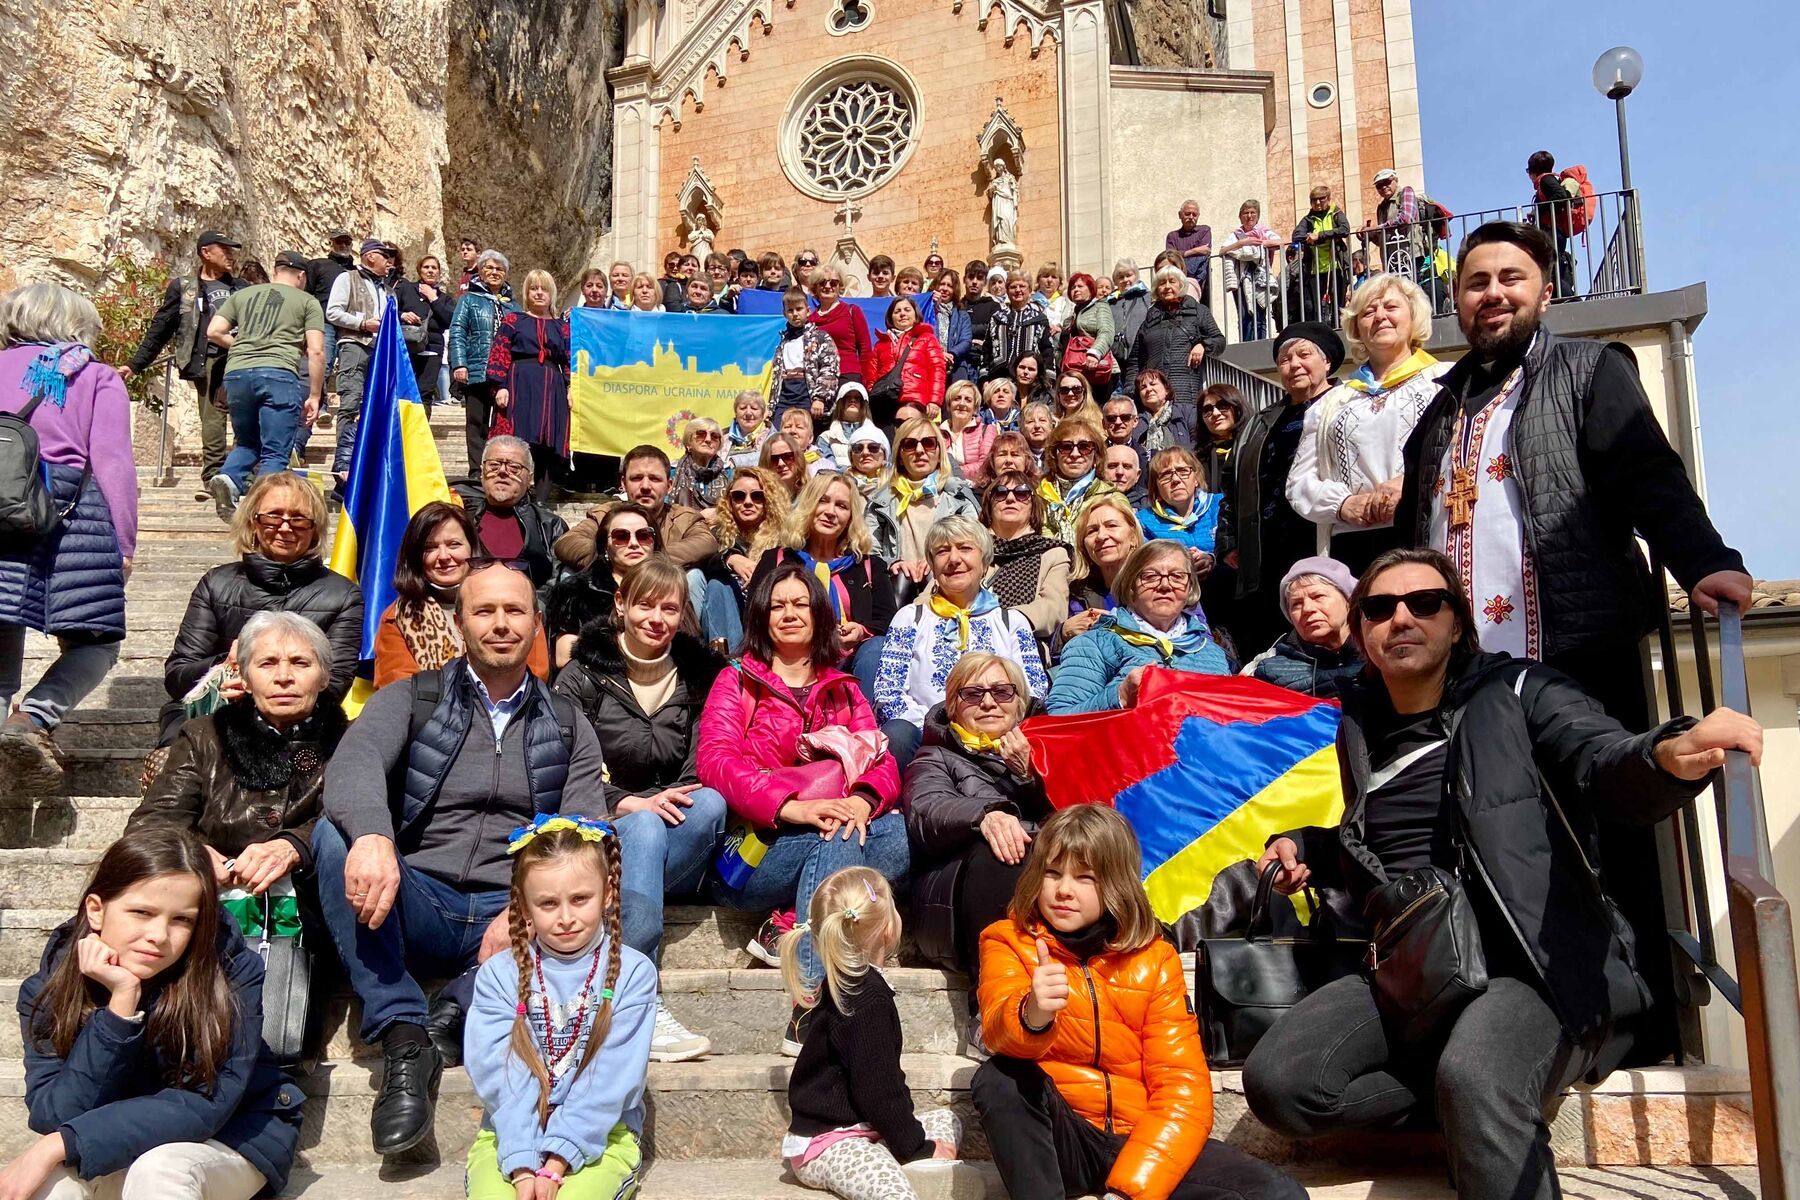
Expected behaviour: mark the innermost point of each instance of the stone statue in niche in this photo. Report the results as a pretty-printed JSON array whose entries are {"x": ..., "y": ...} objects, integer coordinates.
[
  {"x": 1003, "y": 205},
  {"x": 697, "y": 230}
]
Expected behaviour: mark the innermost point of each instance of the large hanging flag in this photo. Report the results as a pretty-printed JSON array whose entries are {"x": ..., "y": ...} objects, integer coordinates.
[
  {"x": 641, "y": 377},
  {"x": 1205, "y": 767},
  {"x": 394, "y": 472}
]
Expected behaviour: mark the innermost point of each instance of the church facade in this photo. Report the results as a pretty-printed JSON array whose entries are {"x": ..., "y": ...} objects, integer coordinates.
[{"x": 1020, "y": 131}]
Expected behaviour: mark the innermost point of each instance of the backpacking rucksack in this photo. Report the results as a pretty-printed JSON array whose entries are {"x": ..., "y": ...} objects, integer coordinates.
[
  {"x": 1573, "y": 218},
  {"x": 1436, "y": 217},
  {"x": 28, "y": 511}
]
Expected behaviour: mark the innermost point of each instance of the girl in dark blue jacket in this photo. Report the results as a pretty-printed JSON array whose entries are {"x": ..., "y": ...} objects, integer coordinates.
[{"x": 144, "y": 1058}]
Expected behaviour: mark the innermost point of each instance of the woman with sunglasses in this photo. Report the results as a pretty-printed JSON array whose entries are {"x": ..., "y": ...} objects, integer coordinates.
[
  {"x": 910, "y": 347},
  {"x": 699, "y": 478},
  {"x": 748, "y": 522},
  {"x": 1158, "y": 623},
  {"x": 827, "y": 533},
  {"x": 844, "y": 323},
  {"x": 1073, "y": 479},
  {"x": 1178, "y": 510},
  {"x": 973, "y": 804},
  {"x": 814, "y": 816},
  {"x": 418, "y": 631},
  {"x": 868, "y": 461},
  {"x": 626, "y": 538},
  {"x": 1074, "y": 398},
  {"x": 786, "y": 457},
  {"x": 279, "y": 530},
  {"x": 959, "y": 614},
  {"x": 1106, "y": 534},
  {"x": 1031, "y": 572},
  {"x": 968, "y": 438},
  {"x": 920, "y": 490},
  {"x": 1221, "y": 412}
]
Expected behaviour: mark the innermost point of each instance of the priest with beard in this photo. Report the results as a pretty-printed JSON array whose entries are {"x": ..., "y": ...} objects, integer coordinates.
[{"x": 1533, "y": 469}]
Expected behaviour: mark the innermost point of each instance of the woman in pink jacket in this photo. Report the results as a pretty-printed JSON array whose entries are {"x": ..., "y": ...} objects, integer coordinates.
[{"x": 794, "y": 822}]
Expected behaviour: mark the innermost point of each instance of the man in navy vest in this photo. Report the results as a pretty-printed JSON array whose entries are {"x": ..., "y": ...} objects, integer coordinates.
[{"x": 411, "y": 855}]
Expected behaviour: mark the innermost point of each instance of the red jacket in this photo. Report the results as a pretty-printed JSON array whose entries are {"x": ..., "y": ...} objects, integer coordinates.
[
  {"x": 849, "y": 331},
  {"x": 922, "y": 379},
  {"x": 751, "y": 725}
]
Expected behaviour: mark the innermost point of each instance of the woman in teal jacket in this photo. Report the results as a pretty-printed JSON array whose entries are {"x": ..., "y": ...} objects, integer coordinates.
[
  {"x": 1158, "y": 624},
  {"x": 471, "y": 337}
]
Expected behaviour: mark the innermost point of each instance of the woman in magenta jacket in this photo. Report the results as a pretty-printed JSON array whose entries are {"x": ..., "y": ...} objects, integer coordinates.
[{"x": 785, "y": 685}]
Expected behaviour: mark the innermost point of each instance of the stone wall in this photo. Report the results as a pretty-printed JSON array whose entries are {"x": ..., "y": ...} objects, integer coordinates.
[{"x": 1174, "y": 33}]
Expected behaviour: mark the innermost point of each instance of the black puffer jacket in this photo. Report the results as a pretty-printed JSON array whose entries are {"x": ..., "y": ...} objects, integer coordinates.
[
  {"x": 948, "y": 791},
  {"x": 229, "y": 595},
  {"x": 1534, "y": 765},
  {"x": 1164, "y": 340},
  {"x": 236, "y": 780},
  {"x": 1595, "y": 469},
  {"x": 1300, "y": 666},
  {"x": 542, "y": 527},
  {"x": 645, "y": 752},
  {"x": 579, "y": 599}
]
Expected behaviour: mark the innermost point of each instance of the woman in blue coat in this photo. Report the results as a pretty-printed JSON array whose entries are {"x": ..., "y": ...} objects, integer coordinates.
[
  {"x": 954, "y": 329},
  {"x": 1179, "y": 510},
  {"x": 1158, "y": 624}
]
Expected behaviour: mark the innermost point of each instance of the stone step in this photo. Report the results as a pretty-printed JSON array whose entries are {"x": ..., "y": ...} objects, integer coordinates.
[
  {"x": 741, "y": 1011},
  {"x": 61, "y": 822},
  {"x": 107, "y": 728}
]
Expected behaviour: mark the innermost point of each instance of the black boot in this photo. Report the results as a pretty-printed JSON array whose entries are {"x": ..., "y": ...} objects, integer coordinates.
[
  {"x": 410, "y": 1070},
  {"x": 445, "y": 1028}
]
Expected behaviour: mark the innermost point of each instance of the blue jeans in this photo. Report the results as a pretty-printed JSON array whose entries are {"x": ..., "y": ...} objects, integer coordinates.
[
  {"x": 265, "y": 418},
  {"x": 432, "y": 929},
  {"x": 658, "y": 859},
  {"x": 80, "y": 668},
  {"x": 800, "y": 860},
  {"x": 715, "y": 603},
  {"x": 864, "y": 662},
  {"x": 903, "y": 741}
]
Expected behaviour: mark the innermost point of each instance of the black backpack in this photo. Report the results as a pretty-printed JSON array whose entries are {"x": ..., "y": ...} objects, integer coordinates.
[{"x": 28, "y": 511}]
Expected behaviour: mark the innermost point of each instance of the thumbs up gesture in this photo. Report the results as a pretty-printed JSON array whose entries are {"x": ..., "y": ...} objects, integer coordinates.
[{"x": 1049, "y": 989}]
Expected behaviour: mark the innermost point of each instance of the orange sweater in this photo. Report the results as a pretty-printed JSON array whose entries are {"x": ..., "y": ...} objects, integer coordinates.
[
  {"x": 394, "y": 662},
  {"x": 1125, "y": 1053}
]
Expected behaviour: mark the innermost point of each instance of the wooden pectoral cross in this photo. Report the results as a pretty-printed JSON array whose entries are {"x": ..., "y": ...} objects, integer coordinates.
[{"x": 1460, "y": 500}]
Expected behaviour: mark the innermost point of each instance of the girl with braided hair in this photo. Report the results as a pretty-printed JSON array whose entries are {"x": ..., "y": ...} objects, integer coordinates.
[{"x": 554, "y": 1122}]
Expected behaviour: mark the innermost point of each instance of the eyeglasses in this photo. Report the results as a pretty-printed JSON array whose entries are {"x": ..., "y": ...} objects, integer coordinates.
[
  {"x": 1163, "y": 578},
  {"x": 1424, "y": 604},
  {"x": 776, "y": 460},
  {"x": 271, "y": 522},
  {"x": 1174, "y": 474},
  {"x": 827, "y": 285},
  {"x": 908, "y": 445},
  {"x": 705, "y": 435},
  {"x": 867, "y": 448},
  {"x": 628, "y": 537},
  {"x": 482, "y": 562},
  {"x": 1069, "y": 390},
  {"x": 756, "y": 497},
  {"x": 1003, "y": 693},
  {"x": 1075, "y": 447},
  {"x": 1012, "y": 493},
  {"x": 503, "y": 466}
]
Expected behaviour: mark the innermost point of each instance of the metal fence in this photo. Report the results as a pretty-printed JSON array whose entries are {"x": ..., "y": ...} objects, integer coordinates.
[{"x": 1254, "y": 290}]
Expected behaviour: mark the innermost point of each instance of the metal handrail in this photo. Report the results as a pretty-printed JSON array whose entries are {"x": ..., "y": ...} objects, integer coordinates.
[{"x": 1762, "y": 938}]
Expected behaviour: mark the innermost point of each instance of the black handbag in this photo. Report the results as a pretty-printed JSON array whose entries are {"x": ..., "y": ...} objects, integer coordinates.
[
  {"x": 287, "y": 991},
  {"x": 886, "y": 390},
  {"x": 1425, "y": 959},
  {"x": 1245, "y": 984}
]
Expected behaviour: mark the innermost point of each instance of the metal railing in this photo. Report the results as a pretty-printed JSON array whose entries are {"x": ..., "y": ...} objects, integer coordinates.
[
  {"x": 1254, "y": 291},
  {"x": 1764, "y": 991}
]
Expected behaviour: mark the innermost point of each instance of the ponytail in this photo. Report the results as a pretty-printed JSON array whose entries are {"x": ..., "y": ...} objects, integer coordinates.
[{"x": 853, "y": 925}]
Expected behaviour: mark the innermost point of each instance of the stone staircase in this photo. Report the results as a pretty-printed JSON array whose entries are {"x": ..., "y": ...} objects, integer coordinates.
[{"x": 714, "y": 1124}]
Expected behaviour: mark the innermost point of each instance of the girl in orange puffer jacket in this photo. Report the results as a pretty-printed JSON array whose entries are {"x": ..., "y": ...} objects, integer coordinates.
[{"x": 1098, "y": 1082}]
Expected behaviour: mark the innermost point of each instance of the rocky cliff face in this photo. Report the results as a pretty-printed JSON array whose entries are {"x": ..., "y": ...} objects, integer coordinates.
[
  {"x": 129, "y": 125},
  {"x": 1177, "y": 33}
]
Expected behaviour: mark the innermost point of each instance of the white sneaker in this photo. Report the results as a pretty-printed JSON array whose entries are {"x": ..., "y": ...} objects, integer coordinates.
[
  {"x": 673, "y": 1041},
  {"x": 224, "y": 492}
]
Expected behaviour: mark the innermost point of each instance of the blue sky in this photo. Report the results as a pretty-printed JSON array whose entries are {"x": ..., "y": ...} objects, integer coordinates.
[{"x": 1715, "y": 155}]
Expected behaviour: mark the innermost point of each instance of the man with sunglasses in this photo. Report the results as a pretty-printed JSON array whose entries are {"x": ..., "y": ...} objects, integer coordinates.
[
  {"x": 511, "y": 525},
  {"x": 687, "y": 540},
  {"x": 1492, "y": 774}
]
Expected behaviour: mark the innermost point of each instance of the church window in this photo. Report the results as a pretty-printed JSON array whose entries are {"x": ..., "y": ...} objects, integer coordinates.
[
  {"x": 848, "y": 16},
  {"x": 851, "y": 128},
  {"x": 1322, "y": 95}
]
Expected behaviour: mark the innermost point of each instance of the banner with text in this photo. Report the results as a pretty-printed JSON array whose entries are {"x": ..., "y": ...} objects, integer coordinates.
[{"x": 641, "y": 377}]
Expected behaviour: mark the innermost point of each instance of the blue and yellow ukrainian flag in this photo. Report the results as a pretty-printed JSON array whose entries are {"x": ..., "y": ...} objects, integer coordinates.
[
  {"x": 1205, "y": 767},
  {"x": 394, "y": 472}
]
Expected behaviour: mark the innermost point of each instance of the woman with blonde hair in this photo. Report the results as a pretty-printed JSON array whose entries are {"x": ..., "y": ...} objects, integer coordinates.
[
  {"x": 920, "y": 489},
  {"x": 1074, "y": 397},
  {"x": 1073, "y": 479},
  {"x": 1036, "y": 424},
  {"x": 78, "y": 408},
  {"x": 646, "y": 293},
  {"x": 278, "y": 532},
  {"x": 967, "y": 436},
  {"x": 827, "y": 531},
  {"x": 845, "y": 324},
  {"x": 1000, "y": 404},
  {"x": 1349, "y": 466},
  {"x": 699, "y": 478},
  {"x": 529, "y": 363},
  {"x": 748, "y": 521},
  {"x": 1106, "y": 534}
]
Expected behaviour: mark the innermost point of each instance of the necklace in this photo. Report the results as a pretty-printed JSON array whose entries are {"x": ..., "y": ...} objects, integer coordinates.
[
  {"x": 1465, "y": 489},
  {"x": 551, "y": 1055}
]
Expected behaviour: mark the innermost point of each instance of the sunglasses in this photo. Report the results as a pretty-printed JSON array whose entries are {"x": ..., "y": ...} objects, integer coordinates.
[
  {"x": 827, "y": 285},
  {"x": 1216, "y": 408},
  {"x": 776, "y": 460},
  {"x": 702, "y": 435},
  {"x": 271, "y": 522},
  {"x": 1003, "y": 693},
  {"x": 908, "y": 445},
  {"x": 867, "y": 448},
  {"x": 1012, "y": 493},
  {"x": 1423, "y": 604},
  {"x": 627, "y": 537},
  {"x": 1068, "y": 391},
  {"x": 1120, "y": 418},
  {"x": 1075, "y": 447},
  {"x": 756, "y": 497},
  {"x": 482, "y": 562},
  {"x": 807, "y": 262}
]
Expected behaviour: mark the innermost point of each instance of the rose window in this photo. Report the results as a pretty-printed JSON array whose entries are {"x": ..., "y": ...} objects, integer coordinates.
[{"x": 854, "y": 136}]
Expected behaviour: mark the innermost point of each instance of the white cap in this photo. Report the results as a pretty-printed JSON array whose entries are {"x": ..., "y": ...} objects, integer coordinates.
[{"x": 1385, "y": 174}]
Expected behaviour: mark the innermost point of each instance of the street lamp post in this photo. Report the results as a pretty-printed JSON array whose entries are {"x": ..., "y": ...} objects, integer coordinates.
[{"x": 1617, "y": 73}]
